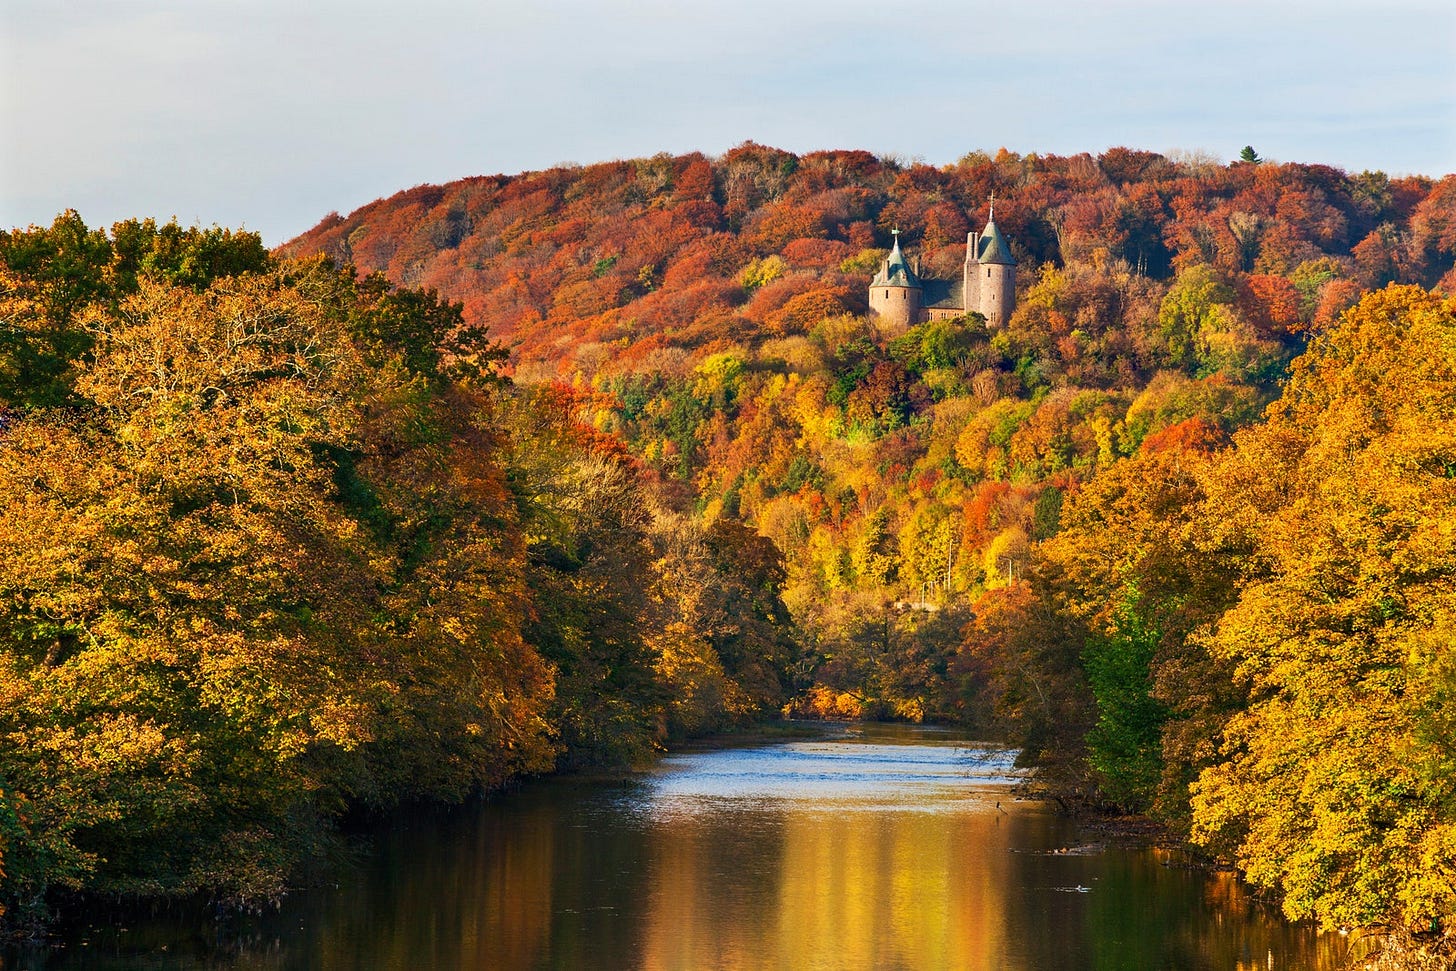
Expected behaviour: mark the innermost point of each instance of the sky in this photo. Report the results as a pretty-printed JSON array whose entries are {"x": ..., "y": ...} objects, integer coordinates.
[{"x": 270, "y": 114}]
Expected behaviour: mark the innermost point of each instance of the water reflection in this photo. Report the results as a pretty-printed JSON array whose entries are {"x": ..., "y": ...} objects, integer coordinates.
[
  {"x": 837, "y": 855},
  {"x": 881, "y": 851}
]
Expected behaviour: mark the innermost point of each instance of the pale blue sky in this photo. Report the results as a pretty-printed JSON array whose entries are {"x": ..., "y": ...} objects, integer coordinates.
[{"x": 271, "y": 113}]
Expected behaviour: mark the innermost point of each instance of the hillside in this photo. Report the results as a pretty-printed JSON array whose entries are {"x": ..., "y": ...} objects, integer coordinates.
[
  {"x": 710, "y": 313},
  {"x": 593, "y": 269}
]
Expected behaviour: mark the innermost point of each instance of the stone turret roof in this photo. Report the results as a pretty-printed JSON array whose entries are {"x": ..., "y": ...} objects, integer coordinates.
[
  {"x": 896, "y": 272},
  {"x": 994, "y": 248}
]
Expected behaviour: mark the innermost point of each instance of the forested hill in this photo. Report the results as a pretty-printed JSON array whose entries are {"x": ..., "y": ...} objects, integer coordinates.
[
  {"x": 617, "y": 268},
  {"x": 710, "y": 314}
]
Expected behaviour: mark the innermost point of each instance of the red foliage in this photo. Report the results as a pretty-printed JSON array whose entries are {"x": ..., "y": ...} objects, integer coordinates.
[
  {"x": 819, "y": 254},
  {"x": 1192, "y": 435},
  {"x": 1376, "y": 259},
  {"x": 1124, "y": 165},
  {"x": 1270, "y": 303},
  {"x": 678, "y": 308},
  {"x": 629, "y": 248},
  {"x": 692, "y": 263},
  {"x": 945, "y": 225},
  {"x": 1433, "y": 224}
]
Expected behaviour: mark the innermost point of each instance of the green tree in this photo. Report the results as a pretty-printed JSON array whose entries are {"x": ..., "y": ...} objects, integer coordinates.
[
  {"x": 1125, "y": 744},
  {"x": 54, "y": 272},
  {"x": 1199, "y": 302}
]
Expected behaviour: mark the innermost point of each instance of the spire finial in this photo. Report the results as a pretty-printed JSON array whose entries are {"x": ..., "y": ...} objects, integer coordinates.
[{"x": 991, "y": 216}]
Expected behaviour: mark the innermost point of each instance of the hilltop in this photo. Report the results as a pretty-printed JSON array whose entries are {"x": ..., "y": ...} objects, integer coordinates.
[{"x": 593, "y": 269}]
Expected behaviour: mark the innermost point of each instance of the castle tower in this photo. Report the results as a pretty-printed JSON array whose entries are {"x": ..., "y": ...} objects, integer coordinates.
[
  {"x": 972, "y": 285},
  {"x": 895, "y": 292},
  {"x": 994, "y": 270}
]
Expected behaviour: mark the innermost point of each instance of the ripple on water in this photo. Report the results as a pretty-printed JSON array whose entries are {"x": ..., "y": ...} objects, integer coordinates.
[{"x": 831, "y": 777}]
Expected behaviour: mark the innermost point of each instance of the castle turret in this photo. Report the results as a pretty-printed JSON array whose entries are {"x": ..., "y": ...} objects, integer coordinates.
[
  {"x": 995, "y": 276},
  {"x": 972, "y": 285},
  {"x": 895, "y": 292}
]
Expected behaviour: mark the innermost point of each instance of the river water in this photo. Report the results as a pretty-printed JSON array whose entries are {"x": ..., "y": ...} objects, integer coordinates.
[{"x": 868, "y": 848}]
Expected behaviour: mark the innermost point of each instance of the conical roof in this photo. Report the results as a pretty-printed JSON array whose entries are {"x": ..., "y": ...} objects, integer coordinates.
[
  {"x": 896, "y": 272},
  {"x": 994, "y": 248}
]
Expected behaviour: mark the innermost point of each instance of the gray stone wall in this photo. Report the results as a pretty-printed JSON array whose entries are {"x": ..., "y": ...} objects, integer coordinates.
[
  {"x": 998, "y": 293},
  {"x": 897, "y": 307},
  {"x": 972, "y": 284}
]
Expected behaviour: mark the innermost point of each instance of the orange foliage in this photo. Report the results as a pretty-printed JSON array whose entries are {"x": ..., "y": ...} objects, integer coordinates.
[
  {"x": 1193, "y": 435},
  {"x": 1336, "y": 297},
  {"x": 824, "y": 702},
  {"x": 542, "y": 251},
  {"x": 1270, "y": 303},
  {"x": 802, "y": 312}
]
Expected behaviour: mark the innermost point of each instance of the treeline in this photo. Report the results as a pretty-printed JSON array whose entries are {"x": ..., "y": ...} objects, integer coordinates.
[
  {"x": 1180, "y": 527},
  {"x": 278, "y": 538},
  {"x": 277, "y": 541}
]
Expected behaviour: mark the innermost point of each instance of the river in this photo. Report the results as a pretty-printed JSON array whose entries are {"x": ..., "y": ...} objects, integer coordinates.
[{"x": 875, "y": 847}]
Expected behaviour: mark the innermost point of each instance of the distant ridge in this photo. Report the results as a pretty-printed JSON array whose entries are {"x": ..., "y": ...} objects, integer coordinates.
[{"x": 630, "y": 256}]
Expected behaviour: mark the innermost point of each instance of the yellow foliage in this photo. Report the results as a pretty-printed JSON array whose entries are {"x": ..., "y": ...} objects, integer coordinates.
[
  {"x": 718, "y": 375},
  {"x": 798, "y": 353},
  {"x": 701, "y": 692},
  {"x": 1335, "y": 785},
  {"x": 818, "y": 421},
  {"x": 762, "y": 271},
  {"x": 197, "y": 625},
  {"x": 927, "y": 547},
  {"x": 1006, "y": 557}
]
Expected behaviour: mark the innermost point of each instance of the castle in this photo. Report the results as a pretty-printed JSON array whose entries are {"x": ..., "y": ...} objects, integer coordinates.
[{"x": 901, "y": 298}]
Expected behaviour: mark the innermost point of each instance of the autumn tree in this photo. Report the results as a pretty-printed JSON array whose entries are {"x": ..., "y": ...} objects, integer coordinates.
[
  {"x": 587, "y": 519},
  {"x": 263, "y": 574},
  {"x": 1335, "y": 784},
  {"x": 54, "y": 272}
]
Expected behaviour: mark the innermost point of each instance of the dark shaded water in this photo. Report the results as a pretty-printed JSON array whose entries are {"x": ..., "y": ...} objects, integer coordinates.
[{"x": 880, "y": 849}]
